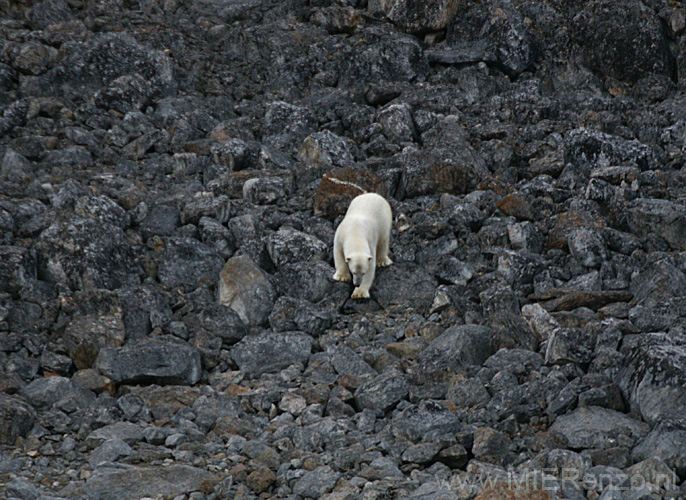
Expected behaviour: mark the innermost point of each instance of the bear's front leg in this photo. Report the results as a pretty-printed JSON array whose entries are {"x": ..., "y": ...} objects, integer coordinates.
[
  {"x": 362, "y": 291},
  {"x": 342, "y": 272}
]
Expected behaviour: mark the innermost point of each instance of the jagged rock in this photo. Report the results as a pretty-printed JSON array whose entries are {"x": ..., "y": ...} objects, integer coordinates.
[
  {"x": 339, "y": 186},
  {"x": 270, "y": 352},
  {"x": 569, "y": 345},
  {"x": 397, "y": 123},
  {"x": 91, "y": 65},
  {"x": 104, "y": 209},
  {"x": 493, "y": 32},
  {"x": 317, "y": 482},
  {"x": 492, "y": 446},
  {"x": 161, "y": 220},
  {"x": 587, "y": 247},
  {"x": 187, "y": 263},
  {"x": 83, "y": 252},
  {"x": 144, "y": 308},
  {"x": 16, "y": 419},
  {"x": 110, "y": 451},
  {"x": 151, "y": 362},
  {"x": 244, "y": 288},
  {"x": 417, "y": 16},
  {"x": 658, "y": 283},
  {"x": 57, "y": 392},
  {"x": 428, "y": 417},
  {"x": 662, "y": 217},
  {"x": 265, "y": 190},
  {"x": 223, "y": 322},
  {"x": 382, "y": 393},
  {"x": 665, "y": 442},
  {"x": 286, "y": 125},
  {"x": 16, "y": 267},
  {"x": 22, "y": 489},
  {"x": 309, "y": 281},
  {"x": 347, "y": 362},
  {"x": 455, "y": 349},
  {"x": 48, "y": 13},
  {"x": 591, "y": 427},
  {"x": 127, "y": 482},
  {"x": 603, "y": 26},
  {"x": 124, "y": 94},
  {"x": 322, "y": 152},
  {"x": 404, "y": 284},
  {"x": 297, "y": 314},
  {"x": 651, "y": 378},
  {"x": 288, "y": 246}
]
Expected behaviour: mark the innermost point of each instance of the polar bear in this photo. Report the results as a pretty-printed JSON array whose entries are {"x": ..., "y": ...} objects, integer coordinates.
[{"x": 361, "y": 242}]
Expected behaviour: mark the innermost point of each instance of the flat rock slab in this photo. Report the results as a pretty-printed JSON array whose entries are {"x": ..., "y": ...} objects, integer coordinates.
[
  {"x": 593, "y": 300},
  {"x": 133, "y": 483},
  {"x": 271, "y": 352},
  {"x": 151, "y": 362},
  {"x": 591, "y": 427}
]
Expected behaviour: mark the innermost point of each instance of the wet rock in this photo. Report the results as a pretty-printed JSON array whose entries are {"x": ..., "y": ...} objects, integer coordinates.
[
  {"x": 382, "y": 393},
  {"x": 244, "y": 288},
  {"x": 591, "y": 427},
  {"x": 187, "y": 263},
  {"x": 16, "y": 419},
  {"x": 651, "y": 378},
  {"x": 270, "y": 352},
  {"x": 288, "y": 246},
  {"x": 151, "y": 362},
  {"x": 601, "y": 28},
  {"x": 416, "y": 16},
  {"x": 493, "y": 32},
  {"x": 456, "y": 348},
  {"x": 57, "y": 392}
]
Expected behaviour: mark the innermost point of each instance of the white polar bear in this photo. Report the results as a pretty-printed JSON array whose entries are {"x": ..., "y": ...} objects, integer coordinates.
[{"x": 361, "y": 242}]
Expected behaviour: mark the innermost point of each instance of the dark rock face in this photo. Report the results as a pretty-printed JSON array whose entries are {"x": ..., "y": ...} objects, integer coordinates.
[
  {"x": 171, "y": 177},
  {"x": 151, "y": 362}
]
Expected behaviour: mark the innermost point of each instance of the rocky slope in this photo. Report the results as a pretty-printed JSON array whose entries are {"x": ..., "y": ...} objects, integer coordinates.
[{"x": 171, "y": 176}]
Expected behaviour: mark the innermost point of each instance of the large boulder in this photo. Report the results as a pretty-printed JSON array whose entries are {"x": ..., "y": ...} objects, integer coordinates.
[
  {"x": 57, "y": 392},
  {"x": 153, "y": 362},
  {"x": 602, "y": 29},
  {"x": 187, "y": 263},
  {"x": 244, "y": 287},
  {"x": 16, "y": 419},
  {"x": 592, "y": 427},
  {"x": 653, "y": 378},
  {"x": 270, "y": 352},
  {"x": 665, "y": 218}
]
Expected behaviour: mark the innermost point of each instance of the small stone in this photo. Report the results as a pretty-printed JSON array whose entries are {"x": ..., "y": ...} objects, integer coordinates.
[{"x": 261, "y": 479}]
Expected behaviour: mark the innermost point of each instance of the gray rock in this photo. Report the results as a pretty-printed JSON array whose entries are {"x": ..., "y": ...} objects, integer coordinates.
[
  {"x": 315, "y": 483},
  {"x": 270, "y": 352},
  {"x": 288, "y": 246},
  {"x": 591, "y": 427},
  {"x": 124, "y": 94},
  {"x": 128, "y": 482},
  {"x": 421, "y": 453},
  {"x": 569, "y": 345},
  {"x": 417, "y": 16},
  {"x": 157, "y": 435},
  {"x": 144, "y": 308},
  {"x": 397, "y": 123},
  {"x": 652, "y": 377},
  {"x": 16, "y": 419},
  {"x": 662, "y": 217},
  {"x": 467, "y": 392},
  {"x": 322, "y": 152},
  {"x": 103, "y": 209},
  {"x": 657, "y": 283},
  {"x": 110, "y": 451},
  {"x": 492, "y": 446},
  {"x": 296, "y": 314},
  {"x": 493, "y": 32},
  {"x": 665, "y": 442},
  {"x": 223, "y": 322},
  {"x": 22, "y": 489},
  {"x": 601, "y": 29},
  {"x": 48, "y": 13},
  {"x": 83, "y": 252},
  {"x": 309, "y": 281},
  {"x": 151, "y": 362},
  {"x": 58, "y": 392},
  {"x": 517, "y": 361},
  {"x": 186, "y": 263},
  {"x": 429, "y": 416},
  {"x": 347, "y": 362},
  {"x": 405, "y": 284},
  {"x": 266, "y": 190},
  {"x": 161, "y": 220},
  {"x": 124, "y": 432},
  {"x": 16, "y": 267},
  {"x": 286, "y": 125},
  {"x": 456, "y": 348},
  {"x": 588, "y": 247},
  {"x": 383, "y": 392},
  {"x": 245, "y": 288}
]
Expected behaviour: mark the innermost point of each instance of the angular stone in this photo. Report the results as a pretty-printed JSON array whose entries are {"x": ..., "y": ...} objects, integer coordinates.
[
  {"x": 316, "y": 483},
  {"x": 186, "y": 263},
  {"x": 245, "y": 288},
  {"x": 456, "y": 348},
  {"x": 416, "y": 16},
  {"x": 404, "y": 284},
  {"x": 149, "y": 362},
  {"x": 591, "y": 427},
  {"x": 314, "y": 283},
  {"x": 109, "y": 451},
  {"x": 297, "y": 314},
  {"x": 571, "y": 300},
  {"x": 382, "y": 393},
  {"x": 588, "y": 247},
  {"x": 161, "y": 220},
  {"x": 662, "y": 217},
  {"x": 428, "y": 417},
  {"x": 666, "y": 442},
  {"x": 569, "y": 345},
  {"x": 347, "y": 362},
  {"x": 492, "y": 446},
  {"x": 223, "y": 322},
  {"x": 260, "y": 479},
  {"x": 653, "y": 378},
  {"x": 288, "y": 246},
  {"x": 129, "y": 482},
  {"x": 16, "y": 419},
  {"x": 59, "y": 392},
  {"x": 22, "y": 489},
  {"x": 287, "y": 125},
  {"x": 271, "y": 352},
  {"x": 322, "y": 152}
]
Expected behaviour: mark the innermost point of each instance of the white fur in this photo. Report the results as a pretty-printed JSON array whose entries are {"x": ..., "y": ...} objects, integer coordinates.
[{"x": 361, "y": 242}]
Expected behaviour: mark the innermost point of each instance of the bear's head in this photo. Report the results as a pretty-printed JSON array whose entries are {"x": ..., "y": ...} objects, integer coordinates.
[{"x": 358, "y": 264}]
